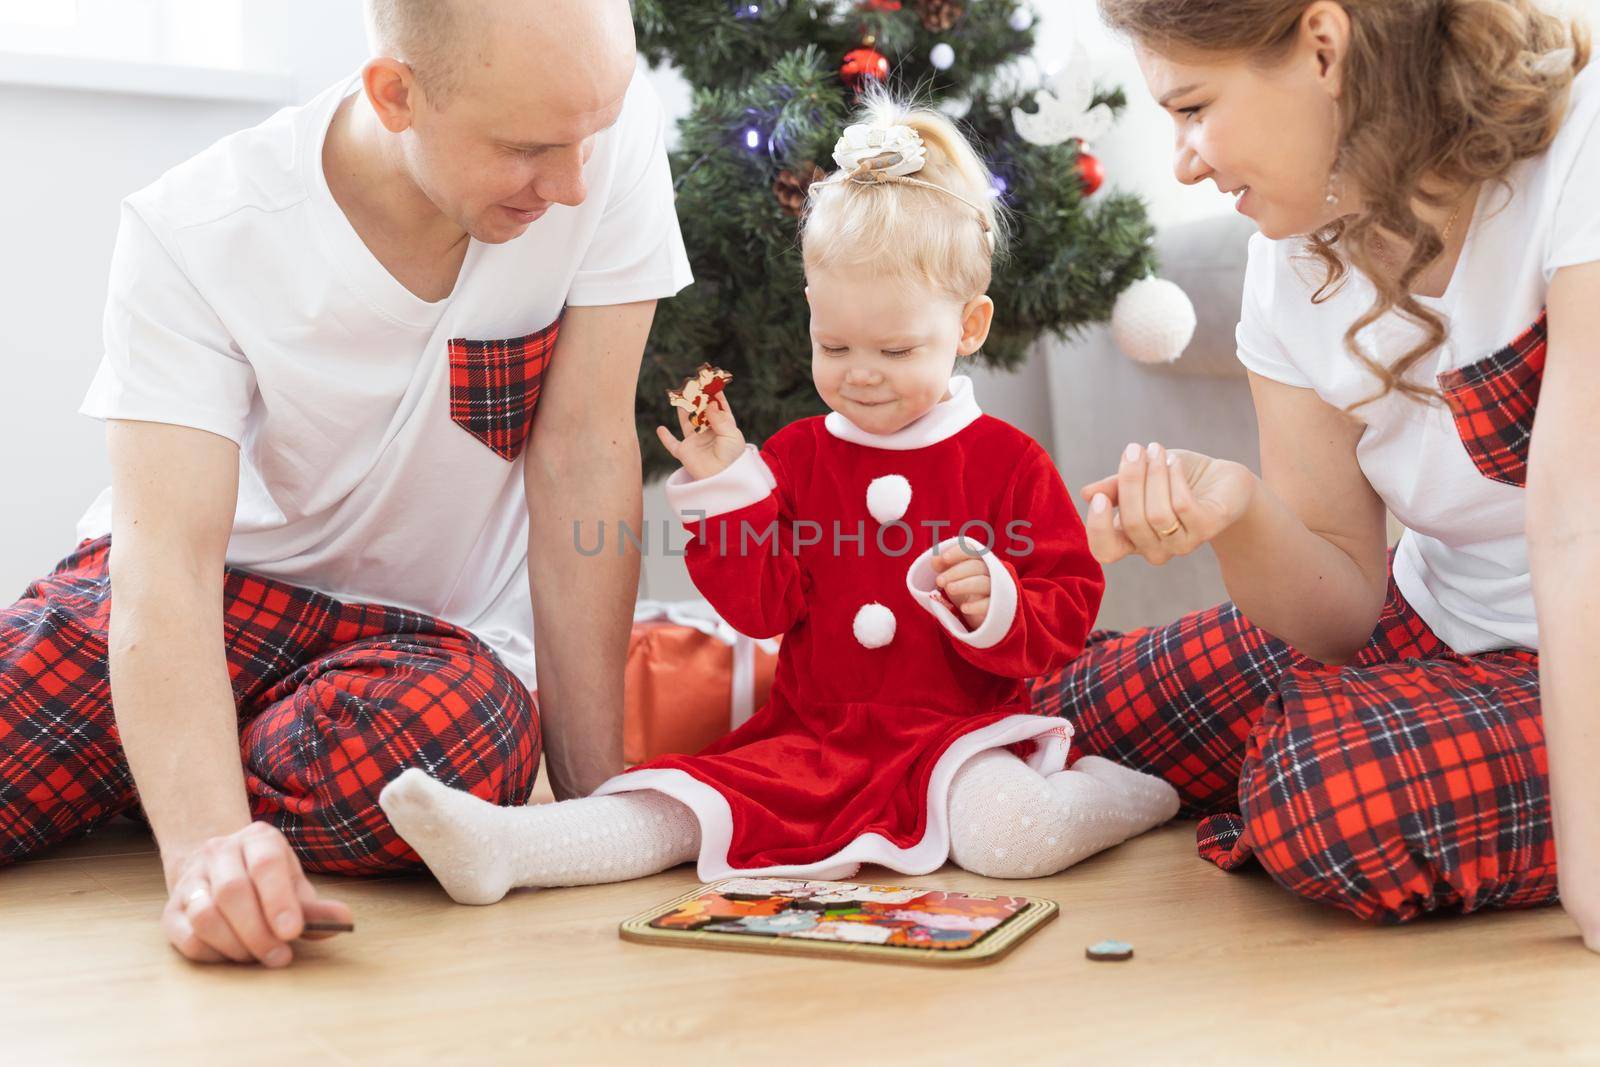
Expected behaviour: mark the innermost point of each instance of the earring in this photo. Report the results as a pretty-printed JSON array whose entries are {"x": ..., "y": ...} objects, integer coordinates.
[{"x": 1332, "y": 197}]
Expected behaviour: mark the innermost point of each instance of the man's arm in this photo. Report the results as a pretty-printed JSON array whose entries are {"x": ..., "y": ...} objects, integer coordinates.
[
  {"x": 583, "y": 468},
  {"x": 174, "y": 490},
  {"x": 1564, "y": 551},
  {"x": 236, "y": 890}
]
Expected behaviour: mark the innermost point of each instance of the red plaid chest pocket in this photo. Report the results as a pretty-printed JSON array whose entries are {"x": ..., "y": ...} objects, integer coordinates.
[
  {"x": 1494, "y": 400},
  {"x": 495, "y": 385}
]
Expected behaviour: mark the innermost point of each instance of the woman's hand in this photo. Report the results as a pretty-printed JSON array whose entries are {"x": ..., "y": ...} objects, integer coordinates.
[
  {"x": 1588, "y": 920},
  {"x": 712, "y": 450},
  {"x": 1162, "y": 504},
  {"x": 243, "y": 897},
  {"x": 963, "y": 577},
  {"x": 1577, "y": 827}
]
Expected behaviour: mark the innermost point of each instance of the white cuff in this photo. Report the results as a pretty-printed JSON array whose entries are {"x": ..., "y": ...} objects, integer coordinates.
[
  {"x": 1002, "y": 598},
  {"x": 743, "y": 482}
]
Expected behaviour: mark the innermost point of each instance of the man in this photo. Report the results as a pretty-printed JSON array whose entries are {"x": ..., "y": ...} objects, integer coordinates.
[{"x": 337, "y": 534}]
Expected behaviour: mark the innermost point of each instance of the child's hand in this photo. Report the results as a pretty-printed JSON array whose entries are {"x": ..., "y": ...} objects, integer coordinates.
[
  {"x": 963, "y": 577},
  {"x": 713, "y": 449}
]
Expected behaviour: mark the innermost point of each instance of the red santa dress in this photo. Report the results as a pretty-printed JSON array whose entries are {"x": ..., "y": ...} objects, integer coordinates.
[{"x": 826, "y": 535}]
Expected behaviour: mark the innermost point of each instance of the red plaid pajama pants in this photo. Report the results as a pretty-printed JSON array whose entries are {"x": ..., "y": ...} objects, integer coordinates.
[
  {"x": 334, "y": 700},
  {"x": 1412, "y": 780}
]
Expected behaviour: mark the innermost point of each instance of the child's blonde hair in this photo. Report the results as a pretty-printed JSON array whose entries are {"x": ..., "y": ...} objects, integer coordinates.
[{"x": 906, "y": 230}]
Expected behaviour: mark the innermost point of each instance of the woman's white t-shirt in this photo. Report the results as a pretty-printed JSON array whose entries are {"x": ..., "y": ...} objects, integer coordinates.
[
  {"x": 243, "y": 302},
  {"x": 1462, "y": 562}
]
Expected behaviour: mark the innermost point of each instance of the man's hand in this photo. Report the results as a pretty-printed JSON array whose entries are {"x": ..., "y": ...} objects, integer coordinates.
[
  {"x": 243, "y": 897},
  {"x": 963, "y": 577}
]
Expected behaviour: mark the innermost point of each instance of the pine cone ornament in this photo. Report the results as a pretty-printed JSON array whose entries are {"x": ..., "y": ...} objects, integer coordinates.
[
  {"x": 938, "y": 16},
  {"x": 792, "y": 186}
]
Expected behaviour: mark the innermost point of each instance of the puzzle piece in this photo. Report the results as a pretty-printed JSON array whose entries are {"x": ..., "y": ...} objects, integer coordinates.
[{"x": 697, "y": 393}]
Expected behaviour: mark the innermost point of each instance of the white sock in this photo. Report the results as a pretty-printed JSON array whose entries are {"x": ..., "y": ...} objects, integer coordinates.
[
  {"x": 479, "y": 851},
  {"x": 1009, "y": 821}
]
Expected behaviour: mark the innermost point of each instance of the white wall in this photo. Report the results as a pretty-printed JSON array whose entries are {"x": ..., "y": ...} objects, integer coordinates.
[{"x": 73, "y": 156}]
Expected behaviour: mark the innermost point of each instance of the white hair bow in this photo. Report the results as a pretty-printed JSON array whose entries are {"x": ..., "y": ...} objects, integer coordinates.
[{"x": 891, "y": 151}]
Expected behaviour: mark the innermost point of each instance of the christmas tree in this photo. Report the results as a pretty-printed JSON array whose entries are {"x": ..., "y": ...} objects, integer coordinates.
[{"x": 774, "y": 83}]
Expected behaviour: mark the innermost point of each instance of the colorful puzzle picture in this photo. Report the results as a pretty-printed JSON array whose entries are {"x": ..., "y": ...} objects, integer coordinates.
[{"x": 891, "y": 916}]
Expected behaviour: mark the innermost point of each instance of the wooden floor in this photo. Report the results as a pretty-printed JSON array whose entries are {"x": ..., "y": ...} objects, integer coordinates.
[{"x": 1228, "y": 970}]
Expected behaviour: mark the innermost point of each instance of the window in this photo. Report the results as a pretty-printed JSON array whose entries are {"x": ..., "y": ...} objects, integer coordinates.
[
  {"x": 173, "y": 48},
  {"x": 185, "y": 33},
  {"x": 50, "y": 14}
]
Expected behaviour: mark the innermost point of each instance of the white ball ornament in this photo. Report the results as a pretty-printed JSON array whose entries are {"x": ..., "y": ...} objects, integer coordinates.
[
  {"x": 888, "y": 497},
  {"x": 1152, "y": 321},
  {"x": 874, "y": 625},
  {"x": 1021, "y": 19},
  {"x": 943, "y": 57}
]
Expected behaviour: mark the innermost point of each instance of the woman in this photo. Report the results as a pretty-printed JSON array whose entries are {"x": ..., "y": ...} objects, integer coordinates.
[{"x": 1372, "y": 726}]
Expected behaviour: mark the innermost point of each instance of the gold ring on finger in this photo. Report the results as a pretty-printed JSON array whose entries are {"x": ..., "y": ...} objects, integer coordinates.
[{"x": 1174, "y": 528}]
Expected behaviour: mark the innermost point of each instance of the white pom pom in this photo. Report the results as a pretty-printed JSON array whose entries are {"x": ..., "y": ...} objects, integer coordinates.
[
  {"x": 874, "y": 625},
  {"x": 943, "y": 57},
  {"x": 888, "y": 497},
  {"x": 1021, "y": 19},
  {"x": 1152, "y": 321}
]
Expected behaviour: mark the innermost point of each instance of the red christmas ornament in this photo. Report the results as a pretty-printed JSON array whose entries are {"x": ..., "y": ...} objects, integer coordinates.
[
  {"x": 1091, "y": 172},
  {"x": 880, "y": 5},
  {"x": 862, "y": 65}
]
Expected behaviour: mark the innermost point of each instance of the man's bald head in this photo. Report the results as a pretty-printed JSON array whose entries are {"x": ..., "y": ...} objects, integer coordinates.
[
  {"x": 444, "y": 40},
  {"x": 435, "y": 37}
]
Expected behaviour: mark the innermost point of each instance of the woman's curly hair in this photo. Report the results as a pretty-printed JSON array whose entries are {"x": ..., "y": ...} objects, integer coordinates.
[{"x": 1468, "y": 87}]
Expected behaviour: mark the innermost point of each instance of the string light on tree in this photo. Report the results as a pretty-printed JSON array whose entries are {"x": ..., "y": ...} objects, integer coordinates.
[{"x": 754, "y": 10}]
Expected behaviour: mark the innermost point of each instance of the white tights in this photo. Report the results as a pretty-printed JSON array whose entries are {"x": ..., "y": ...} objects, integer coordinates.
[{"x": 1006, "y": 821}]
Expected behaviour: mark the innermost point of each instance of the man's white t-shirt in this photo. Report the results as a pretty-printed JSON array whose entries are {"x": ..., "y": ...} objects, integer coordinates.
[
  {"x": 243, "y": 302},
  {"x": 1462, "y": 562}
]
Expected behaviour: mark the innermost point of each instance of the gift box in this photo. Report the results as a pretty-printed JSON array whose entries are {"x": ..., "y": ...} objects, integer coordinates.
[{"x": 690, "y": 678}]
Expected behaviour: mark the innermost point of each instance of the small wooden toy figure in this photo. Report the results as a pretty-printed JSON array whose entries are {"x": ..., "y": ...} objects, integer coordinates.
[{"x": 698, "y": 392}]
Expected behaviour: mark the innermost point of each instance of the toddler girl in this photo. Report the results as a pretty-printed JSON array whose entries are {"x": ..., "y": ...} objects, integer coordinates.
[{"x": 922, "y": 561}]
